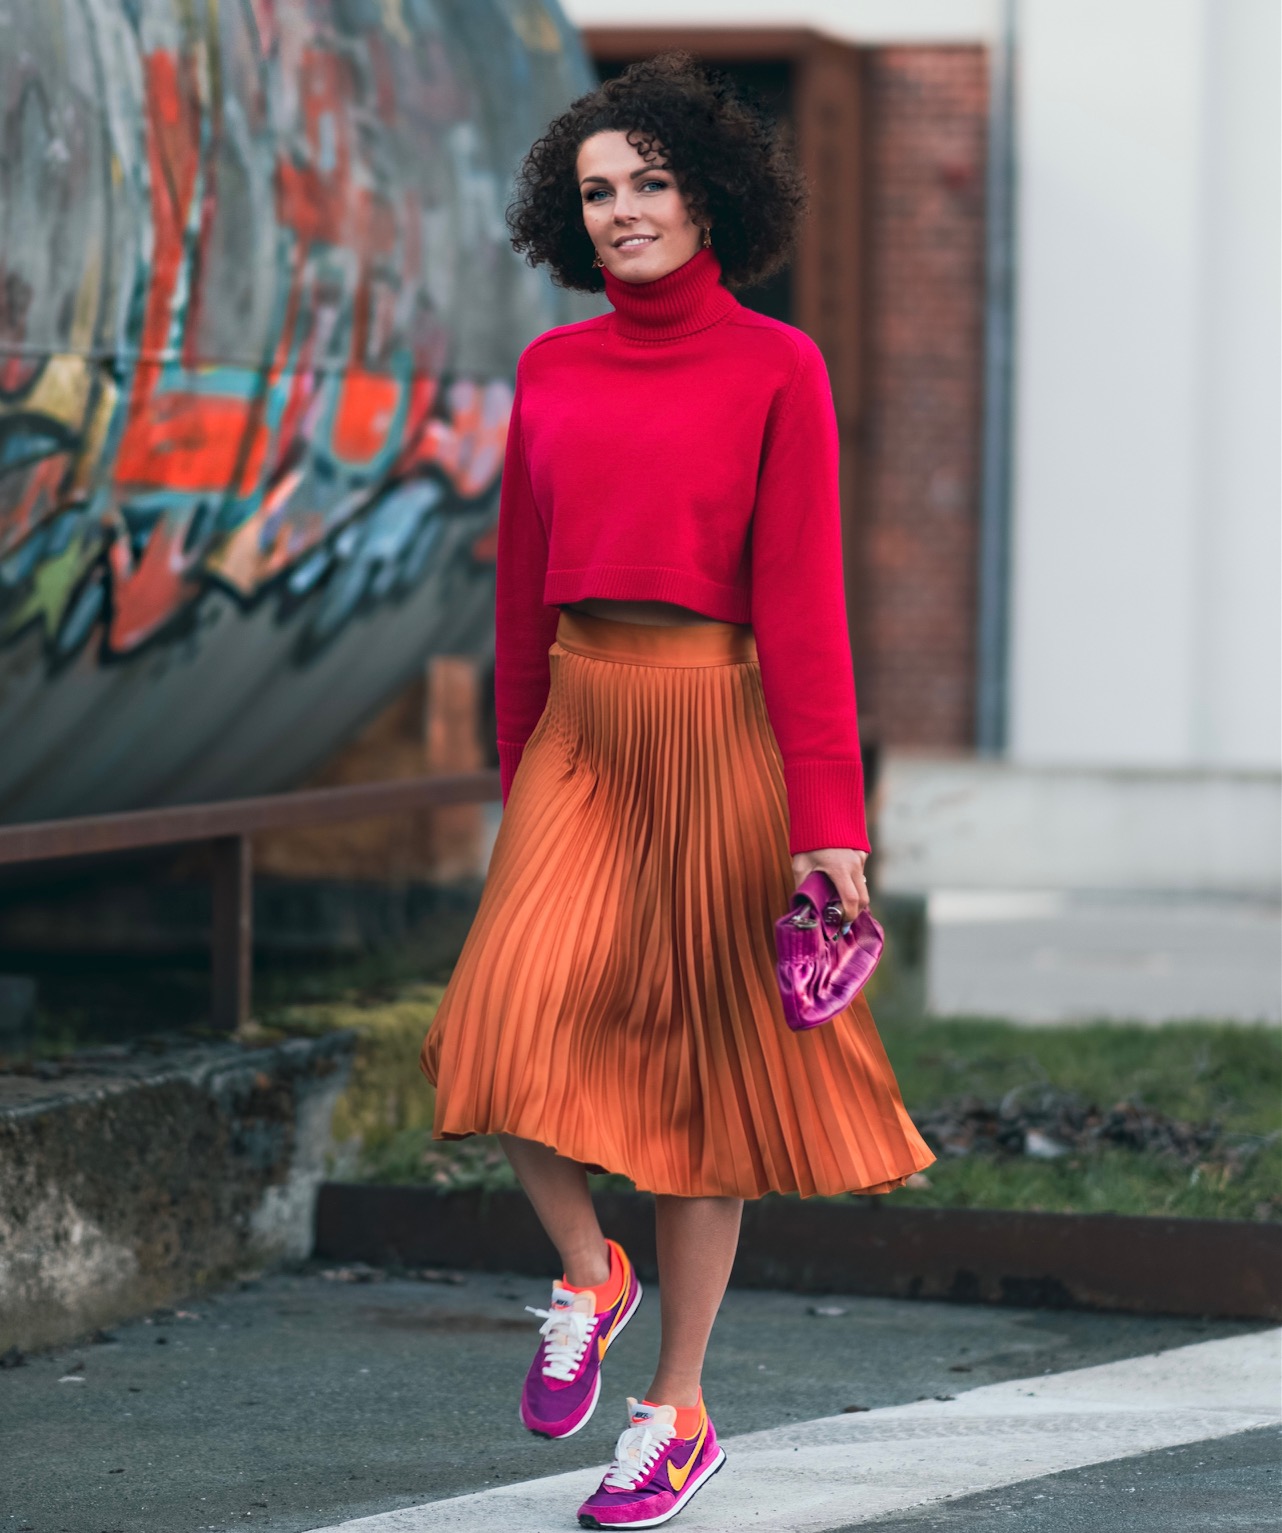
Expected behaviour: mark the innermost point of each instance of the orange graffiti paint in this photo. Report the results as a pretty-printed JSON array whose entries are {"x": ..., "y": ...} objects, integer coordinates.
[
  {"x": 365, "y": 415},
  {"x": 148, "y": 593}
]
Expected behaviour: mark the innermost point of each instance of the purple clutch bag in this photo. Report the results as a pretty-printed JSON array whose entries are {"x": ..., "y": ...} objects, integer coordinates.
[{"x": 820, "y": 969}]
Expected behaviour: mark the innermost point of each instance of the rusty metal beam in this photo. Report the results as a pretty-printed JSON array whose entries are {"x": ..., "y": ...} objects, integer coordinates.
[
  {"x": 1222, "y": 1267},
  {"x": 229, "y": 826},
  {"x": 94, "y": 835}
]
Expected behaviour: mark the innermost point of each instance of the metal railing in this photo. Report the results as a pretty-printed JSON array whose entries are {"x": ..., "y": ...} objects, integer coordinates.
[{"x": 227, "y": 827}]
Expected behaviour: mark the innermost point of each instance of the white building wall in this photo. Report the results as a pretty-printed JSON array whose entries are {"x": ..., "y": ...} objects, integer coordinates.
[
  {"x": 1146, "y": 583},
  {"x": 1237, "y": 645},
  {"x": 1105, "y": 464}
]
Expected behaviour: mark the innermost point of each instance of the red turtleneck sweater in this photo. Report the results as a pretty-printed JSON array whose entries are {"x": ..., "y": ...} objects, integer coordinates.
[{"x": 684, "y": 449}]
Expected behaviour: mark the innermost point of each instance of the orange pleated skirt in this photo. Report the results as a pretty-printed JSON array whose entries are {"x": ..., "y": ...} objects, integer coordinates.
[{"x": 616, "y": 997}]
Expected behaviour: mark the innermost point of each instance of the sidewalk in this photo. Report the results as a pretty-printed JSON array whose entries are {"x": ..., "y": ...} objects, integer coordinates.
[
  {"x": 301, "y": 1403},
  {"x": 1055, "y": 957}
]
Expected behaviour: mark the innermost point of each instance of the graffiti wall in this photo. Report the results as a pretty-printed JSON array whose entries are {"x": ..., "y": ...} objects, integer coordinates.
[{"x": 258, "y": 322}]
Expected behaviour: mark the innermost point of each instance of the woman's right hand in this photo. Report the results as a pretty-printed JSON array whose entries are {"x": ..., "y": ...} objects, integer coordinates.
[{"x": 845, "y": 866}]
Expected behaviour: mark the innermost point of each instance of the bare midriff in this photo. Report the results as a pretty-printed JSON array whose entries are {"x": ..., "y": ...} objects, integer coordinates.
[{"x": 659, "y": 613}]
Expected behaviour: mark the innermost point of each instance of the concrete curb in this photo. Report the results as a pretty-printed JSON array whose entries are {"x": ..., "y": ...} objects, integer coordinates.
[
  {"x": 1230, "y": 1268},
  {"x": 130, "y": 1180}
]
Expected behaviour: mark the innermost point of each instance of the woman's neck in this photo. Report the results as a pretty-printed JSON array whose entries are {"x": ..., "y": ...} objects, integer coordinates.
[{"x": 684, "y": 301}]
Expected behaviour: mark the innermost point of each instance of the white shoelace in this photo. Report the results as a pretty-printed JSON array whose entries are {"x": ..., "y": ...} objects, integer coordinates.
[
  {"x": 568, "y": 1334},
  {"x": 635, "y": 1453}
]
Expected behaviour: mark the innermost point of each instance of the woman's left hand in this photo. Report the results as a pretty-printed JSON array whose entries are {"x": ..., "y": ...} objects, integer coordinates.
[{"x": 845, "y": 866}]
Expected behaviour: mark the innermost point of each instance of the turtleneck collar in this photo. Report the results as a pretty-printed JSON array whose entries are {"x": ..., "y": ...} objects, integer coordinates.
[{"x": 684, "y": 301}]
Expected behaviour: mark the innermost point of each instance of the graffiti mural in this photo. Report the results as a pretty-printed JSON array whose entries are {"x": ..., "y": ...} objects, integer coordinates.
[{"x": 258, "y": 322}]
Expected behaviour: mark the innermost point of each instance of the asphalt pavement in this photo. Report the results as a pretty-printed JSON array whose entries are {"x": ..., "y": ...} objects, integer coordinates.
[
  {"x": 303, "y": 1402},
  {"x": 1228, "y": 1485}
]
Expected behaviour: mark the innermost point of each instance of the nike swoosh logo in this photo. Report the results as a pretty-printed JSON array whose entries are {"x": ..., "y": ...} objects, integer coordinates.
[
  {"x": 603, "y": 1342},
  {"x": 678, "y": 1477}
]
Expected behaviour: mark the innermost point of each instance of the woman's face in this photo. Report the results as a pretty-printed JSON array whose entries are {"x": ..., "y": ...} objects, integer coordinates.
[{"x": 633, "y": 210}]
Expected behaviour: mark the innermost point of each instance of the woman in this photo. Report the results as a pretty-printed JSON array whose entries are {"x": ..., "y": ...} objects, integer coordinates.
[{"x": 678, "y": 744}]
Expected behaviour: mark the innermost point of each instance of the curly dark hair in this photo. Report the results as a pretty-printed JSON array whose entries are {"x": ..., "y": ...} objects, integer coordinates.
[{"x": 728, "y": 155}]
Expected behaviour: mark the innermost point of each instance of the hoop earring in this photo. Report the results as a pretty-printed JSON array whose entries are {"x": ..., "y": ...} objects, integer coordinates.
[
  {"x": 707, "y": 237},
  {"x": 597, "y": 261}
]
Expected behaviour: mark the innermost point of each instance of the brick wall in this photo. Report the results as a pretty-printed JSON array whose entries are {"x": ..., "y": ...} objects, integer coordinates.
[{"x": 917, "y": 512}]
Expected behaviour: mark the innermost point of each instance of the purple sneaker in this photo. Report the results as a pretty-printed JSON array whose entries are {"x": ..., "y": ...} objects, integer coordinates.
[
  {"x": 564, "y": 1380},
  {"x": 654, "y": 1472}
]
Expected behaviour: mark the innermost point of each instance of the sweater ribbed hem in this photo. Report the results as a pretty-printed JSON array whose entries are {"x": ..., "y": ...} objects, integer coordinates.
[
  {"x": 825, "y": 805},
  {"x": 619, "y": 582}
]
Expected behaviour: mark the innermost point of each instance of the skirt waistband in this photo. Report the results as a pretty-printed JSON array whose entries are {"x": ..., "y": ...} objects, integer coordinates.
[{"x": 679, "y": 644}]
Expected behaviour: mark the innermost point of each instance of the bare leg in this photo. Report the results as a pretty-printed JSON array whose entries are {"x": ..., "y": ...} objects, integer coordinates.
[
  {"x": 558, "y": 1189},
  {"x": 696, "y": 1239}
]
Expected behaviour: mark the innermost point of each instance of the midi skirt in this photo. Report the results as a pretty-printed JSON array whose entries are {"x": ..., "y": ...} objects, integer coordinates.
[{"x": 615, "y": 997}]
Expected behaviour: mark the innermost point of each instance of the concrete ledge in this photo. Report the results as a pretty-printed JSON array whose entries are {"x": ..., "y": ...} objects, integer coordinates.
[
  {"x": 1220, "y": 1267},
  {"x": 973, "y": 824},
  {"x": 130, "y": 1179}
]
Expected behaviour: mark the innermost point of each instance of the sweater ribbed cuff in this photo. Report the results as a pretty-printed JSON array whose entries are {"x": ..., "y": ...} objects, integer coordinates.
[
  {"x": 509, "y": 760},
  {"x": 825, "y": 805}
]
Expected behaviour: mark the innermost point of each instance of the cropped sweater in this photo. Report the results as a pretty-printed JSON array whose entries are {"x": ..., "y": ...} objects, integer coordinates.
[{"x": 684, "y": 449}]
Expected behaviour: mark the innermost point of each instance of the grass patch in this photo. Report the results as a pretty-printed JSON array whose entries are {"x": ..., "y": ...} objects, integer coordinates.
[
  {"x": 1200, "y": 1073},
  {"x": 1197, "y": 1072},
  {"x": 1106, "y": 1182}
]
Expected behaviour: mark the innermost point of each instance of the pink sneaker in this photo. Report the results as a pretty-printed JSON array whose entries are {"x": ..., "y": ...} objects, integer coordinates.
[
  {"x": 564, "y": 1380},
  {"x": 654, "y": 1472}
]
